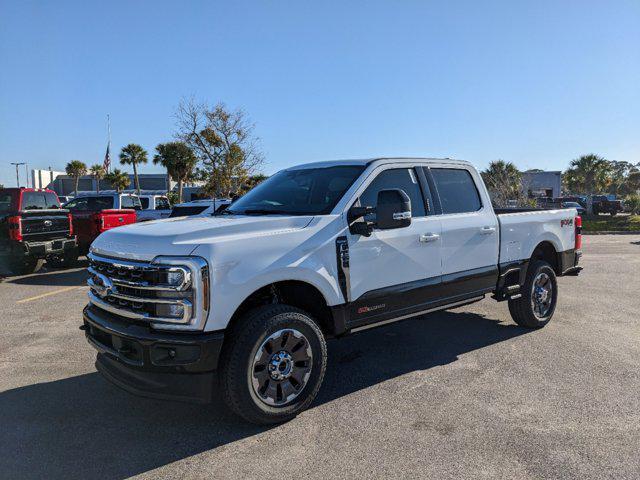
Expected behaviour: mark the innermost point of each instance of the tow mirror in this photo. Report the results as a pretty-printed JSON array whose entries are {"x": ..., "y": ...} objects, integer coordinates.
[{"x": 393, "y": 209}]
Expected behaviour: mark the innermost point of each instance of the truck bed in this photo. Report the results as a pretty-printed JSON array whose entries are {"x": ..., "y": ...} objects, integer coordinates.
[{"x": 522, "y": 230}]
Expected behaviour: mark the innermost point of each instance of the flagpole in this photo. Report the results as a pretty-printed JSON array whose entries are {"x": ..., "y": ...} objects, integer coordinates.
[{"x": 109, "y": 135}]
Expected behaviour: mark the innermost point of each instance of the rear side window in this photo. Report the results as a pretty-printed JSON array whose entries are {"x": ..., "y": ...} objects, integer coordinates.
[
  {"x": 402, "y": 178},
  {"x": 457, "y": 190},
  {"x": 101, "y": 203},
  {"x": 144, "y": 201}
]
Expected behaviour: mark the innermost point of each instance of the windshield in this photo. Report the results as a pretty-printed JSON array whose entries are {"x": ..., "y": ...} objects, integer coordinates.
[{"x": 309, "y": 191}]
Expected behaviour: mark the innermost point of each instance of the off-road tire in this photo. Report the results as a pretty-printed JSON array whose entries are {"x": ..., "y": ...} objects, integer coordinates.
[
  {"x": 521, "y": 309},
  {"x": 236, "y": 363}
]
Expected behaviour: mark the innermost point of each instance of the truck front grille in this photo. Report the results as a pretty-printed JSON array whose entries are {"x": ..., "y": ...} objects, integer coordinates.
[{"x": 168, "y": 292}]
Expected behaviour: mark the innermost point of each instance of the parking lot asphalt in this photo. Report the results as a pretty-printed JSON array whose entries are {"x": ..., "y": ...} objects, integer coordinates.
[{"x": 458, "y": 394}]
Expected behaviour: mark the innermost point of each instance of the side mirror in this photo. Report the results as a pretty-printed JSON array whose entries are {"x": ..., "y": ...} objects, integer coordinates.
[{"x": 393, "y": 209}]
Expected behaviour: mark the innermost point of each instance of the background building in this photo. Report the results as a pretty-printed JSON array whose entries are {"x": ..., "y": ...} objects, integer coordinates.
[{"x": 542, "y": 184}]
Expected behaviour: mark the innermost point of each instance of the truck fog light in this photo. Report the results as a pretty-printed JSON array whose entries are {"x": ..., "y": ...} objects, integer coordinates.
[
  {"x": 174, "y": 278},
  {"x": 169, "y": 310}
]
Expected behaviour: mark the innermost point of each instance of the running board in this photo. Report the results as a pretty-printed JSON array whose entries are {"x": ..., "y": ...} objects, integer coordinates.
[{"x": 417, "y": 314}]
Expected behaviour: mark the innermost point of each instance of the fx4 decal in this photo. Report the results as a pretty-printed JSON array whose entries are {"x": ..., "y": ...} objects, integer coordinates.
[{"x": 566, "y": 222}]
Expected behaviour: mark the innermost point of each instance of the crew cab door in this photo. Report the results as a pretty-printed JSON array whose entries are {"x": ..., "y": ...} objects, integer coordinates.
[
  {"x": 470, "y": 237},
  {"x": 394, "y": 272}
]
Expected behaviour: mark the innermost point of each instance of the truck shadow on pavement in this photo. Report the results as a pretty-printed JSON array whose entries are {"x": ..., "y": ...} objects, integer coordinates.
[
  {"x": 83, "y": 427},
  {"x": 55, "y": 277}
]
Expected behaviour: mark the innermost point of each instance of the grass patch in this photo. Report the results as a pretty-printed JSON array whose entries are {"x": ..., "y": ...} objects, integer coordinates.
[{"x": 607, "y": 223}]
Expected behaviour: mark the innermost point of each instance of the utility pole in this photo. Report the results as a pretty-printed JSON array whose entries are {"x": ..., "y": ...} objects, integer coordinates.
[
  {"x": 17, "y": 164},
  {"x": 26, "y": 172}
]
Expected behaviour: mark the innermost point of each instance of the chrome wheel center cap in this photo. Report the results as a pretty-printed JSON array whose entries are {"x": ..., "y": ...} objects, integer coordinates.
[{"x": 280, "y": 365}]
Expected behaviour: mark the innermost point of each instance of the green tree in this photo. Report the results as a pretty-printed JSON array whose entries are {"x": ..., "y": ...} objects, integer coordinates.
[
  {"x": 620, "y": 171},
  {"x": 76, "y": 169},
  {"x": 118, "y": 180},
  {"x": 179, "y": 160},
  {"x": 133, "y": 154},
  {"x": 588, "y": 174},
  {"x": 97, "y": 172},
  {"x": 252, "y": 181},
  {"x": 504, "y": 182},
  {"x": 224, "y": 143}
]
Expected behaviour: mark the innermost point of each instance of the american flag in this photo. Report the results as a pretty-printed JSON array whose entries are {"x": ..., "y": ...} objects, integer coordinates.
[{"x": 107, "y": 160}]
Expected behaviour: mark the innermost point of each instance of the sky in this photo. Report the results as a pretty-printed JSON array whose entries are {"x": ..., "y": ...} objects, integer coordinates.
[{"x": 537, "y": 83}]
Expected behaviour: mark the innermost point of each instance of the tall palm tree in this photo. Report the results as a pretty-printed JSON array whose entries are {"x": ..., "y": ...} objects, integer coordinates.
[
  {"x": 179, "y": 160},
  {"x": 133, "y": 154},
  {"x": 504, "y": 182},
  {"x": 118, "y": 180},
  {"x": 97, "y": 172},
  {"x": 76, "y": 169}
]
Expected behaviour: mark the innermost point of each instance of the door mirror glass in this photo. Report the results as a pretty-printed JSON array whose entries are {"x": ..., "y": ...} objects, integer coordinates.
[{"x": 393, "y": 209}]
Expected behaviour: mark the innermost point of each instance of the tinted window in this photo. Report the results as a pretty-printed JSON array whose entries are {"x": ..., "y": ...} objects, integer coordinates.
[
  {"x": 101, "y": 203},
  {"x": 51, "y": 199},
  {"x": 78, "y": 204},
  {"x": 126, "y": 201},
  {"x": 187, "y": 211},
  {"x": 144, "y": 201},
  {"x": 305, "y": 191},
  {"x": 6, "y": 201},
  {"x": 162, "y": 203},
  {"x": 33, "y": 201},
  {"x": 402, "y": 178},
  {"x": 457, "y": 191}
]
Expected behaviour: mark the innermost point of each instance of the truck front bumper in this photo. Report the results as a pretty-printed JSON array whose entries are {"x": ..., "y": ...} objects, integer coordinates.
[{"x": 154, "y": 364}]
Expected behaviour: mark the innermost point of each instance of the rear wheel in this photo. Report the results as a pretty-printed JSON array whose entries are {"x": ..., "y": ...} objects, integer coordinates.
[
  {"x": 24, "y": 265},
  {"x": 274, "y": 364},
  {"x": 539, "y": 296}
]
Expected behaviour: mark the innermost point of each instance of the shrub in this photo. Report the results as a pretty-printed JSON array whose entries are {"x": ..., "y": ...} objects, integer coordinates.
[{"x": 632, "y": 204}]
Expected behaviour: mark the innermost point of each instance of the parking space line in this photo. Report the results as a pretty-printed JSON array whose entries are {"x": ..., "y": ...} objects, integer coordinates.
[{"x": 55, "y": 292}]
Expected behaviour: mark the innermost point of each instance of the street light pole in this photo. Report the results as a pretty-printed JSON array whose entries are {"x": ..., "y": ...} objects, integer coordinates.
[{"x": 17, "y": 164}]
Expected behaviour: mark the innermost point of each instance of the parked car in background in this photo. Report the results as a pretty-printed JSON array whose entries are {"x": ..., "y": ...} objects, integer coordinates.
[
  {"x": 579, "y": 199},
  {"x": 153, "y": 207},
  {"x": 33, "y": 227},
  {"x": 579, "y": 208},
  {"x": 95, "y": 213},
  {"x": 245, "y": 299},
  {"x": 199, "y": 207},
  {"x": 602, "y": 204}
]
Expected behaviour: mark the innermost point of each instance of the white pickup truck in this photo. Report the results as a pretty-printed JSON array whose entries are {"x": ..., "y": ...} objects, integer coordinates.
[{"x": 246, "y": 299}]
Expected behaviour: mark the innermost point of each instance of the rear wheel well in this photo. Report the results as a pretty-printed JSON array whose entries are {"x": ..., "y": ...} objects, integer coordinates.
[
  {"x": 298, "y": 294},
  {"x": 546, "y": 252}
]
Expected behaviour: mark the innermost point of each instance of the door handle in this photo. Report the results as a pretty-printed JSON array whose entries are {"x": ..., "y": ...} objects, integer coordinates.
[
  {"x": 487, "y": 230},
  {"x": 429, "y": 237}
]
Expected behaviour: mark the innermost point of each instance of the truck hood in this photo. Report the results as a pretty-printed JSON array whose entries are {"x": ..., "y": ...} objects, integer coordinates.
[{"x": 180, "y": 236}]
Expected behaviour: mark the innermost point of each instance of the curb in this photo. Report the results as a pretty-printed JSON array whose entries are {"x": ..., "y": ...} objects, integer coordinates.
[{"x": 613, "y": 232}]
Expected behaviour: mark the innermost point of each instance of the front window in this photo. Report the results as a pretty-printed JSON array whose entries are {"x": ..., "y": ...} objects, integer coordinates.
[{"x": 306, "y": 191}]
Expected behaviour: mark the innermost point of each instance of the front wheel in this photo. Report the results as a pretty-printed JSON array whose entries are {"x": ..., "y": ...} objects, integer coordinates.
[
  {"x": 537, "y": 304},
  {"x": 274, "y": 364}
]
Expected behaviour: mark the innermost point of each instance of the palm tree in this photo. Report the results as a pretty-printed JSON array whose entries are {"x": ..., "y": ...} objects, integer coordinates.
[
  {"x": 76, "y": 169},
  {"x": 133, "y": 154},
  {"x": 97, "y": 172},
  {"x": 588, "y": 174},
  {"x": 179, "y": 160},
  {"x": 118, "y": 180},
  {"x": 504, "y": 182}
]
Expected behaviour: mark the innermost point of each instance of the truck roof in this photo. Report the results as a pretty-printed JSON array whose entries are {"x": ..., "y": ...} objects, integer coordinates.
[{"x": 381, "y": 160}]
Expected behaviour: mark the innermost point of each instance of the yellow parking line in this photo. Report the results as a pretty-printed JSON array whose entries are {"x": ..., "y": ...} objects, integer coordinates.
[{"x": 37, "y": 297}]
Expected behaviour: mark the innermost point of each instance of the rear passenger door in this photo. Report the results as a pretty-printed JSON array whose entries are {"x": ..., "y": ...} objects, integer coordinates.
[{"x": 470, "y": 239}]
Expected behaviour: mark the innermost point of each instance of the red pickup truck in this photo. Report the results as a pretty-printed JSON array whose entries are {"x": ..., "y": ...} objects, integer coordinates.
[
  {"x": 33, "y": 227},
  {"x": 94, "y": 214}
]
